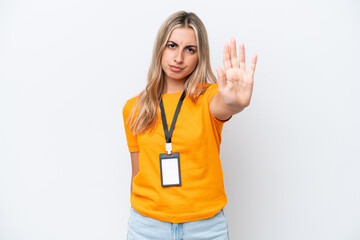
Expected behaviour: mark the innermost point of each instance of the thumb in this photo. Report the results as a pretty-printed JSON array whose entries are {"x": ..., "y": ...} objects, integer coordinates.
[{"x": 221, "y": 77}]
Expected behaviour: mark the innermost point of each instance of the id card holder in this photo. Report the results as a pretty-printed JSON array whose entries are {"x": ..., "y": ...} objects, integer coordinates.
[{"x": 170, "y": 169}]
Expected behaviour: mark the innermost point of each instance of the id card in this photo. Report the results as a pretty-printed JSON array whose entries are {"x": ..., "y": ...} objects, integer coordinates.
[{"x": 170, "y": 169}]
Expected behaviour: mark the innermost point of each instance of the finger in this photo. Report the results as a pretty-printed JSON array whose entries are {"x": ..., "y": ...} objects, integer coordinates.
[
  {"x": 221, "y": 77},
  {"x": 226, "y": 57},
  {"x": 234, "y": 60},
  {"x": 253, "y": 66},
  {"x": 242, "y": 56}
]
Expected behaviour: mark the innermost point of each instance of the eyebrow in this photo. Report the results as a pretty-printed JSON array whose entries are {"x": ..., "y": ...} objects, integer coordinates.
[{"x": 178, "y": 44}]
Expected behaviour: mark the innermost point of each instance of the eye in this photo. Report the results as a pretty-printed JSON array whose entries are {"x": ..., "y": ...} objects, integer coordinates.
[
  {"x": 191, "y": 50},
  {"x": 171, "y": 45}
]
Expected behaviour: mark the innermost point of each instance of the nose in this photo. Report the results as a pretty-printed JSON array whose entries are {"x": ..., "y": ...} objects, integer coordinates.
[{"x": 179, "y": 57}]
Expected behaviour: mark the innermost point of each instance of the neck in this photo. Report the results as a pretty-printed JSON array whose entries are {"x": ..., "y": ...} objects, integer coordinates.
[{"x": 174, "y": 86}]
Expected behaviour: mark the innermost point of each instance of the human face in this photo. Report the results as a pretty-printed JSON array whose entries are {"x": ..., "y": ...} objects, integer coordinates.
[{"x": 180, "y": 55}]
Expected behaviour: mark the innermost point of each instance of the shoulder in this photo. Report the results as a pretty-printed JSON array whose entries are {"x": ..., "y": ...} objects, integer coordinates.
[
  {"x": 211, "y": 87},
  {"x": 210, "y": 91},
  {"x": 129, "y": 105},
  {"x": 131, "y": 102},
  {"x": 205, "y": 89}
]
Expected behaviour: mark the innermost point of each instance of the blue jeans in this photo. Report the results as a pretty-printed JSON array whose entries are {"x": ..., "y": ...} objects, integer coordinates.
[{"x": 145, "y": 228}]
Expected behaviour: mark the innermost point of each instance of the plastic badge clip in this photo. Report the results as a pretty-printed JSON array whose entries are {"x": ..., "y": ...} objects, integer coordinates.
[{"x": 168, "y": 148}]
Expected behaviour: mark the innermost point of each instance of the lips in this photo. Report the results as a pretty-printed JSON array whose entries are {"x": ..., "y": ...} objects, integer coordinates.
[{"x": 175, "y": 68}]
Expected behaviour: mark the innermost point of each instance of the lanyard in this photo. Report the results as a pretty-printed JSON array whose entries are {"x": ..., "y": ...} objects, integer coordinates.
[{"x": 168, "y": 133}]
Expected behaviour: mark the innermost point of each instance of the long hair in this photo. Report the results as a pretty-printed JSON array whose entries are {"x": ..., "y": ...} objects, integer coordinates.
[{"x": 147, "y": 104}]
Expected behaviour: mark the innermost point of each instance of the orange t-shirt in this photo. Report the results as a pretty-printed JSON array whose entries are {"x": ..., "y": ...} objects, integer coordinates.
[{"x": 196, "y": 137}]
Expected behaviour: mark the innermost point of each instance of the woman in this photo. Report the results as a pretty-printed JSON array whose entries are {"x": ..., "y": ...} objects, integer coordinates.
[{"x": 177, "y": 189}]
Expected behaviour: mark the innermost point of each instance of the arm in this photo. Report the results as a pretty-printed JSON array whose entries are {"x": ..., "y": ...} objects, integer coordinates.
[
  {"x": 135, "y": 166},
  {"x": 235, "y": 84},
  {"x": 220, "y": 109}
]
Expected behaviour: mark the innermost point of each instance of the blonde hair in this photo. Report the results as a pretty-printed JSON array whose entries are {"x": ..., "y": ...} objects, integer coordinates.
[{"x": 147, "y": 104}]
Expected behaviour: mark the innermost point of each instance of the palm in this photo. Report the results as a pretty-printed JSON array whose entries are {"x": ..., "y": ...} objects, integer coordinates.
[{"x": 236, "y": 84}]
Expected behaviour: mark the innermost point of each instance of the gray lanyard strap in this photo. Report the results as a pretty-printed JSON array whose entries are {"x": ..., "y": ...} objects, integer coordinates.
[{"x": 168, "y": 133}]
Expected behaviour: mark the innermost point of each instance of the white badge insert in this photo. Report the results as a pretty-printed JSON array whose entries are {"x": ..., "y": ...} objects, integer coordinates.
[{"x": 170, "y": 169}]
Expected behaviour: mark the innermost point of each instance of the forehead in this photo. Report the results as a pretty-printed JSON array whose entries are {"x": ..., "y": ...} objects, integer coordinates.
[{"x": 183, "y": 36}]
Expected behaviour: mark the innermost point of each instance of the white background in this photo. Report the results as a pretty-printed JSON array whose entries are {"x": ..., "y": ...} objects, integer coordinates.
[{"x": 291, "y": 160}]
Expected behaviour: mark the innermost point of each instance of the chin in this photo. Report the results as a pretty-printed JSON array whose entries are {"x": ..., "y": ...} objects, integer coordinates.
[{"x": 177, "y": 77}]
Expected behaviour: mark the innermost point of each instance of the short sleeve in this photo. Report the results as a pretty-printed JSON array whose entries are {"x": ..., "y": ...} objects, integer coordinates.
[
  {"x": 211, "y": 91},
  {"x": 130, "y": 137}
]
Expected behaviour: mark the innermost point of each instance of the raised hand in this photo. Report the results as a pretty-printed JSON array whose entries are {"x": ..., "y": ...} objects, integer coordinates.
[{"x": 236, "y": 84}]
